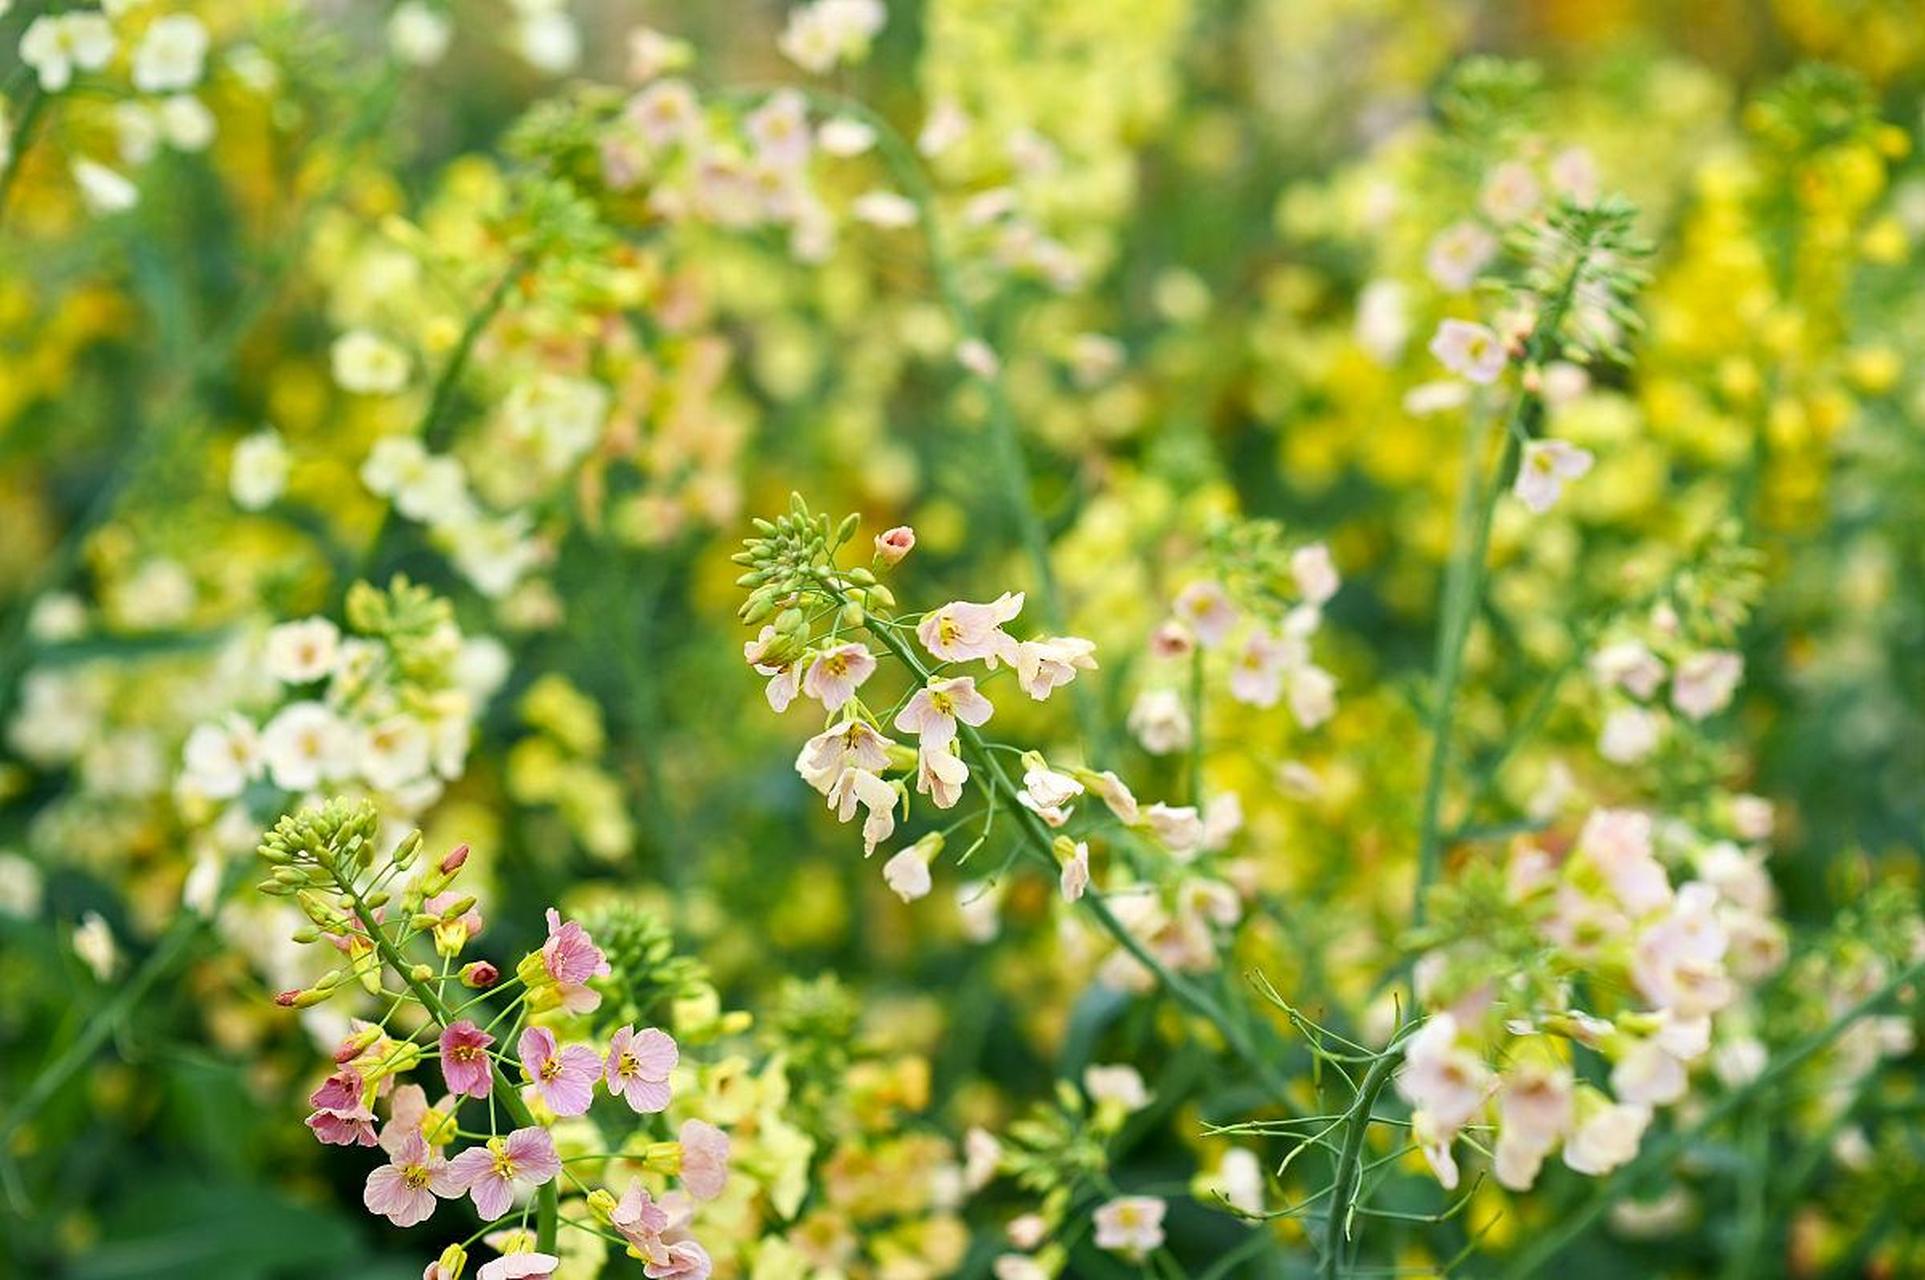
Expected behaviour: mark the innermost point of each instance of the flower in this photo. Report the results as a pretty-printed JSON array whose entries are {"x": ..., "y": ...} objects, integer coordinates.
[
  {"x": 1606, "y": 1135},
  {"x": 837, "y": 673},
  {"x": 851, "y": 744},
  {"x": 421, "y": 485},
  {"x": 1315, "y": 573},
  {"x": 1458, "y": 253},
  {"x": 638, "y": 1067},
  {"x": 305, "y": 743},
  {"x": 104, "y": 190},
  {"x": 257, "y": 473},
  {"x": 464, "y": 1059},
  {"x": 565, "y": 1076},
  {"x": 302, "y": 652},
  {"x": 1047, "y": 664},
  {"x": 1441, "y": 1077},
  {"x": 1703, "y": 683},
  {"x": 893, "y": 544},
  {"x": 368, "y": 364},
  {"x": 170, "y": 54},
  {"x": 219, "y": 760},
  {"x": 1130, "y": 1225},
  {"x": 941, "y": 775},
  {"x": 982, "y": 1155},
  {"x": 418, "y": 34},
  {"x": 491, "y": 1174},
  {"x": 341, "y": 1116},
  {"x": 640, "y": 1220},
  {"x": 403, "y": 1191},
  {"x": 907, "y": 873},
  {"x": 570, "y": 958},
  {"x": 54, "y": 45},
  {"x": 1178, "y": 827},
  {"x": 705, "y": 1159},
  {"x": 1546, "y": 465},
  {"x": 961, "y": 631},
  {"x": 1510, "y": 192},
  {"x": 1120, "y": 1085},
  {"x": 519, "y": 1266},
  {"x": 1205, "y": 608},
  {"x": 1629, "y": 735},
  {"x": 883, "y": 209},
  {"x": 855, "y": 786},
  {"x": 684, "y": 1260},
  {"x": 1629, "y": 665},
  {"x": 1160, "y": 723},
  {"x": 1075, "y": 876},
  {"x": 934, "y": 710},
  {"x": 1469, "y": 350}
]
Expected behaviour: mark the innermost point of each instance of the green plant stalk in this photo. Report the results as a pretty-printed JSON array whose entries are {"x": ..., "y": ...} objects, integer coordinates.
[
  {"x": 546, "y": 1199},
  {"x": 23, "y": 132},
  {"x": 1040, "y": 842},
  {"x": 1535, "y": 1257},
  {"x": 1343, "y": 1187}
]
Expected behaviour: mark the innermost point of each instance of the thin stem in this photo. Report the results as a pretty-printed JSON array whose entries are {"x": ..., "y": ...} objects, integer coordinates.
[
  {"x": 546, "y": 1199},
  {"x": 1336, "y": 1227}
]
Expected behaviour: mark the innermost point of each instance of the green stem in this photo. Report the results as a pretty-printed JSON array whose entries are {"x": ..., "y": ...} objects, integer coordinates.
[
  {"x": 1343, "y": 1187},
  {"x": 22, "y": 138},
  {"x": 545, "y": 1198},
  {"x": 1542, "y": 1248}
]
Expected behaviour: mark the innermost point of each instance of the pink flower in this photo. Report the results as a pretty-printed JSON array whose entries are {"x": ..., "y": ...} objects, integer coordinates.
[
  {"x": 685, "y": 1260},
  {"x": 961, "y": 631},
  {"x": 858, "y": 786},
  {"x": 1544, "y": 468},
  {"x": 1131, "y": 1225},
  {"x": 1206, "y": 609},
  {"x": 1469, "y": 350},
  {"x": 564, "y": 1078},
  {"x": 940, "y": 774},
  {"x": 893, "y": 544},
  {"x": 640, "y": 1221},
  {"x": 837, "y": 673},
  {"x": 491, "y": 1174},
  {"x": 1046, "y": 665},
  {"x": 571, "y": 958},
  {"x": 933, "y": 712},
  {"x": 639, "y": 1065},
  {"x": 785, "y": 678},
  {"x": 519, "y": 1266},
  {"x": 852, "y": 744},
  {"x": 705, "y": 1159},
  {"x": 403, "y": 1191},
  {"x": 340, "y": 1117},
  {"x": 1075, "y": 877},
  {"x": 464, "y": 1059}
]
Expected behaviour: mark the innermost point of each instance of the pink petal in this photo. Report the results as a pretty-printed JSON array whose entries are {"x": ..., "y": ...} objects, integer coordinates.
[
  {"x": 532, "y": 1152},
  {"x": 492, "y": 1195},
  {"x": 655, "y": 1053}
]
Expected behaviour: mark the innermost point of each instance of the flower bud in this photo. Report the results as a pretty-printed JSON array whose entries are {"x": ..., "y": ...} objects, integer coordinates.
[
  {"x": 601, "y": 1202},
  {"x": 421, "y": 973},
  {"x": 357, "y": 1044},
  {"x": 453, "y": 862},
  {"x": 287, "y": 999},
  {"x": 479, "y": 975},
  {"x": 662, "y": 1157},
  {"x": 405, "y": 852},
  {"x": 451, "y": 1263}
]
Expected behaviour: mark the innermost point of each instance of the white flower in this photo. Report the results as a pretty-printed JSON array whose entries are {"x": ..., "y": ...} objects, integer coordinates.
[
  {"x": 883, "y": 209},
  {"x": 946, "y": 125},
  {"x": 549, "y": 42},
  {"x": 979, "y": 358},
  {"x": 1315, "y": 573},
  {"x": 367, "y": 364},
  {"x": 1160, "y": 723},
  {"x": 1312, "y": 693},
  {"x": 1703, "y": 683},
  {"x": 779, "y": 128},
  {"x": 493, "y": 554},
  {"x": 21, "y": 886},
  {"x": 422, "y": 486},
  {"x": 104, "y": 190},
  {"x": 1544, "y": 468},
  {"x": 1120, "y": 1084},
  {"x": 200, "y": 892},
  {"x": 93, "y": 942},
  {"x": 57, "y": 616},
  {"x": 1606, "y": 1136},
  {"x": 561, "y": 417},
  {"x": 1074, "y": 880},
  {"x": 306, "y": 744},
  {"x": 394, "y": 752},
  {"x": 186, "y": 122},
  {"x": 220, "y": 759},
  {"x": 302, "y": 652},
  {"x": 1427, "y": 398},
  {"x": 821, "y": 34},
  {"x": 1441, "y": 1076},
  {"x": 1178, "y": 827},
  {"x": 418, "y": 33},
  {"x": 842, "y": 136},
  {"x": 650, "y": 53},
  {"x": 1130, "y": 1225},
  {"x": 1469, "y": 350},
  {"x": 981, "y": 1154},
  {"x": 1630, "y": 666},
  {"x": 1048, "y": 663},
  {"x": 1049, "y": 789},
  {"x": 170, "y": 55},
  {"x": 1629, "y": 735},
  {"x": 908, "y": 874},
  {"x": 1510, "y": 193},
  {"x": 55, "y": 45},
  {"x": 665, "y": 112},
  {"x": 1383, "y": 320},
  {"x": 932, "y": 714},
  {"x": 257, "y": 473}
]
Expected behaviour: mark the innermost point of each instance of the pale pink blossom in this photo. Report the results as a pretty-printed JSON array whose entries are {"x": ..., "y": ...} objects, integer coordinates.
[
  {"x": 907, "y": 873},
  {"x": 681, "y": 1260},
  {"x": 570, "y": 958},
  {"x": 1160, "y": 723},
  {"x": 1510, "y": 192},
  {"x": 1618, "y": 842},
  {"x": 1703, "y": 683},
  {"x": 705, "y": 1159},
  {"x": 1315, "y": 573},
  {"x": 1441, "y": 1076},
  {"x": 1205, "y": 608},
  {"x": 1256, "y": 678},
  {"x": 564, "y": 1075},
  {"x": 941, "y": 775},
  {"x": 638, "y": 1067},
  {"x": 1678, "y": 963},
  {"x": 785, "y": 679},
  {"x": 1629, "y": 735},
  {"x": 892, "y": 545},
  {"x": 1628, "y": 665},
  {"x": 837, "y": 673},
  {"x": 1047, "y": 788},
  {"x": 1130, "y": 1225},
  {"x": 464, "y": 1059},
  {"x": 961, "y": 631},
  {"x": 1458, "y": 253},
  {"x": 1606, "y": 1136},
  {"x": 1075, "y": 875},
  {"x": 934, "y": 710},
  {"x": 403, "y": 1191},
  {"x": 492, "y": 1174},
  {"x": 519, "y": 1266},
  {"x": 641, "y": 1221},
  {"x": 1110, "y": 789},
  {"x": 853, "y": 744},
  {"x": 1178, "y": 827},
  {"x": 855, "y": 786},
  {"x": 1047, "y": 664},
  {"x": 1469, "y": 350},
  {"x": 1544, "y": 469}
]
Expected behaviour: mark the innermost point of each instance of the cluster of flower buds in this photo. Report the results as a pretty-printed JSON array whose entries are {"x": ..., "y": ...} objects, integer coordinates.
[{"x": 388, "y": 913}]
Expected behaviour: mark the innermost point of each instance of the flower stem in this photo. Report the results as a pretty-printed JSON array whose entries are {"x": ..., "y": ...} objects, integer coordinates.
[
  {"x": 545, "y": 1197},
  {"x": 1343, "y": 1188}
]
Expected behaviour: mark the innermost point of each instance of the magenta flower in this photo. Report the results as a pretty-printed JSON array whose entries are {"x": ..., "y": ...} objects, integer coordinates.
[
  {"x": 705, "y": 1159},
  {"x": 564, "y": 1078},
  {"x": 491, "y": 1174},
  {"x": 403, "y": 1191},
  {"x": 570, "y": 958},
  {"x": 340, "y": 1116},
  {"x": 638, "y": 1067},
  {"x": 464, "y": 1059}
]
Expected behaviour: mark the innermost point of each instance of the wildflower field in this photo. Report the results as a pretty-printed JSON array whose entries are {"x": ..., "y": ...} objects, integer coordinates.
[{"x": 892, "y": 639}]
